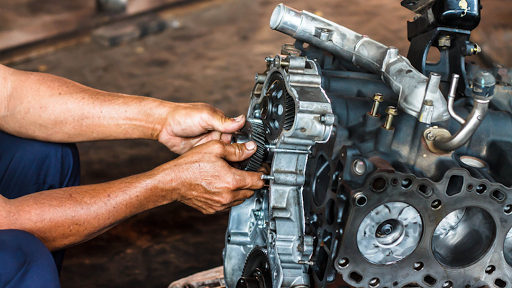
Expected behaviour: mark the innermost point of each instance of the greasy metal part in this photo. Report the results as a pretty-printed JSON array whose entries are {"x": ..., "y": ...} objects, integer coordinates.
[
  {"x": 377, "y": 98},
  {"x": 394, "y": 69},
  {"x": 348, "y": 201},
  {"x": 297, "y": 115},
  {"x": 483, "y": 90},
  {"x": 391, "y": 111}
]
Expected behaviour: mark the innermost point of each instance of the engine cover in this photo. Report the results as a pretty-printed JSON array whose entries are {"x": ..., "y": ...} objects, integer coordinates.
[{"x": 380, "y": 176}]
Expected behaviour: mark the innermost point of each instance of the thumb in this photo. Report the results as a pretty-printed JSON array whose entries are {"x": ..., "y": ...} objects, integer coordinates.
[
  {"x": 239, "y": 152},
  {"x": 225, "y": 124}
]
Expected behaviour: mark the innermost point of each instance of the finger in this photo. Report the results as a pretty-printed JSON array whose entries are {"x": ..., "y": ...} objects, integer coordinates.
[
  {"x": 238, "y": 152},
  {"x": 226, "y": 138},
  {"x": 218, "y": 122},
  {"x": 241, "y": 195},
  {"x": 248, "y": 180}
]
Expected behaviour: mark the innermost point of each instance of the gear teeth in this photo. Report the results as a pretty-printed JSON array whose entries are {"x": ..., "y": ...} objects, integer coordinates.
[
  {"x": 289, "y": 114},
  {"x": 258, "y": 136},
  {"x": 257, "y": 252}
]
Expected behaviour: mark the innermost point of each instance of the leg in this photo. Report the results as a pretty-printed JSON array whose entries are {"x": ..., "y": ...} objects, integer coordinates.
[
  {"x": 29, "y": 166},
  {"x": 25, "y": 262}
]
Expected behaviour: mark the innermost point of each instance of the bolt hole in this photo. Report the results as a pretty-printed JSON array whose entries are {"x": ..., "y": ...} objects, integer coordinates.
[
  {"x": 394, "y": 182},
  {"x": 374, "y": 282},
  {"x": 498, "y": 195},
  {"x": 480, "y": 189},
  {"x": 395, "y": 283},
  {"x": 448, "y": 284},
  {"x": 425, "y": 190},
  {"x": 500, "y": 283},
  {"x": 508, "y": 209},
  {"x": 406, "y": 183},
  {"x": 356, "y": 277},
  {"x": 429, "y": 280},
  {"x": 361, "y": 200},
  {"x": 379, "y": 184},
  {"x": 436, "y": 204},
  {"x": 490, "y": 269},
  {"x": 418, "y": 266},
  {"x": 470, "y": 187},
  {"x": 343, "y": 262}
]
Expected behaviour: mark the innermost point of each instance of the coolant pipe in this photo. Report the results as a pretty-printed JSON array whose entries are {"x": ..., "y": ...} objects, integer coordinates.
[
  {"x": 467, "y": 130},
  {"x": 483, "y": 90},
  {"x": 394, "y": 69}
]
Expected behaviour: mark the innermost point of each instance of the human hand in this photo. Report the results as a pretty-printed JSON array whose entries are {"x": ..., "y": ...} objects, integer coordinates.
[
  {"x": 190, "y": 125},
  {"x": 202, "y": 178}
]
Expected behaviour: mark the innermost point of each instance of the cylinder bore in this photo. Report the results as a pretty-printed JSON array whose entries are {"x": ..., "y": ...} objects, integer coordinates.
[
  {"x": 389, "y": 233},
  {"x": 463, "y": 237},
  {"x": 507, "y": 247}
]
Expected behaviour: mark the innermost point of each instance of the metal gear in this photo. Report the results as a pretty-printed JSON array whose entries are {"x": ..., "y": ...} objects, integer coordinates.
[
  {"x": 256, "y": 272},
  {"x": 254, "y": 130},
  {"x": 277, "y": 107}
]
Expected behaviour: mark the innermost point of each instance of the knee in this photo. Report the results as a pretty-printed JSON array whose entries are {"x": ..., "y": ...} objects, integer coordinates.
[{"x": 24, "y": 258}]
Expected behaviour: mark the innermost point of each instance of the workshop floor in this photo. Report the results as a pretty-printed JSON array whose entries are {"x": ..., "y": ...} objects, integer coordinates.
[{"x": 211, "y": 55}]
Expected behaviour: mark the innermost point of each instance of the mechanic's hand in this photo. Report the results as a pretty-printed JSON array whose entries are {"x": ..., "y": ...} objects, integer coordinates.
[
  {"x": 202, "y": 179},
  {"x": 189, "y": 125}
]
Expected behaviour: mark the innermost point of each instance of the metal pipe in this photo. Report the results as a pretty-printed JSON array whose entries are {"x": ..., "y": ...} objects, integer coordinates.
[
  {"x": 462, "y": 136},
  {"x": 451, "y": 99},
  {"x": 394, "y": 69}
]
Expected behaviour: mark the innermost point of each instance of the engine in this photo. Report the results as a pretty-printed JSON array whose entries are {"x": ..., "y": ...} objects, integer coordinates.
[{"x": 385, "y": 170}]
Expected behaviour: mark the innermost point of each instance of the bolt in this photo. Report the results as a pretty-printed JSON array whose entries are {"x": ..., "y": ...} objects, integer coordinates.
[
  {"x": 445, "y": 41},
  {"x": 377, "y": 98},
  {"x": 267, "y": 177},
  {"x": 392, "y": 111},
  {"x": 325, "y": 34},
  {"x": 327, "y": 119}
]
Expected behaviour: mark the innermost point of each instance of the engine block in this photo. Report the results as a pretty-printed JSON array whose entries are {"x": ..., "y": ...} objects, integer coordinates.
[{"x": 385, "y": 171}]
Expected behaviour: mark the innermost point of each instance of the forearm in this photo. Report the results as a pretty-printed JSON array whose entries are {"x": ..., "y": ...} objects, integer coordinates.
[
  {"x": 49, "y": 108},
  {"x": 63, "y": 217}
]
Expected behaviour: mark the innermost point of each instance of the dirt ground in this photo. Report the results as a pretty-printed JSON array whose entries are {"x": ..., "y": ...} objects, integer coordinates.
[{"x": 211, "y": 55}]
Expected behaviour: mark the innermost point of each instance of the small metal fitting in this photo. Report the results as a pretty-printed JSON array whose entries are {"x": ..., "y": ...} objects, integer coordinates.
[
  {"x": 267, "y": 177},
  {"x": 278, "y": 61},
  {"x": 392, "y": 112},
  {"x": 260, "y": 78},
  {"x": 327, "y": 119},
  {"x": 377, "y": 99},
  {"x": 444, "y": 41}
]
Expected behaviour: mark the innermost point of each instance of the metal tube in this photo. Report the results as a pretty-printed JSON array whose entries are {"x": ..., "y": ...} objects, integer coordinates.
[
  {"x": 394, "y": 69},
  {"x": 451, "y": 99},
  {"x": 462, "y": 136}
]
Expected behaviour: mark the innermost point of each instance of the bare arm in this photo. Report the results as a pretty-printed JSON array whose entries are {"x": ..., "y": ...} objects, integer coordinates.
[
  {"x": 63, "y": 217},
  {"x": 50, "y": 108}
]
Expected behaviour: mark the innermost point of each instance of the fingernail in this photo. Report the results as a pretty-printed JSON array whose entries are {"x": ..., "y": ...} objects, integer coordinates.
[
  {"x": 239, "y": 118},
  {"x": 250, "y": 145}
]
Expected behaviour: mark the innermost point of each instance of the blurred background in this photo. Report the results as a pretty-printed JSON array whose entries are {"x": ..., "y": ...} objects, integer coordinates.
[{"x": 181, "y": 51}]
